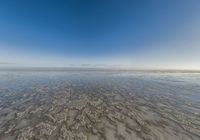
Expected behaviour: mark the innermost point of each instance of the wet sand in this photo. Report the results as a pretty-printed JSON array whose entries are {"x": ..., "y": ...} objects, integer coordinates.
[{"x": 101, "y": 105}]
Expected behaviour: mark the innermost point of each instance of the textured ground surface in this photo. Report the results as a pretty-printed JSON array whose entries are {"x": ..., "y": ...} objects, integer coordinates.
[{"x": 99, "y": 106}]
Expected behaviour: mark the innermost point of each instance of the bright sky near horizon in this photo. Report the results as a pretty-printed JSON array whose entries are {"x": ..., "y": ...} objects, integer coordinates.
[{"x": 105, "y": 33}]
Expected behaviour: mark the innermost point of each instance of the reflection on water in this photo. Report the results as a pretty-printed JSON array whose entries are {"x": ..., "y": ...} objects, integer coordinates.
[{"x": 66, "y": 105}]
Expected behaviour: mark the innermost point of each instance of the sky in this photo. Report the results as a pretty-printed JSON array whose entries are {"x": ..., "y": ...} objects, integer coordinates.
[{"x": 100, "y": 33}]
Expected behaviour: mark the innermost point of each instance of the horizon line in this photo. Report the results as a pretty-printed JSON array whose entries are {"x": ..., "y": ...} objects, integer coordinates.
[{"x": 67, "y": 68}]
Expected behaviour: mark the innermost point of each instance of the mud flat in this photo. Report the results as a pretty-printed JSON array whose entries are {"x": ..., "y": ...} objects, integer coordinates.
[{"x": 89, "y": 105}]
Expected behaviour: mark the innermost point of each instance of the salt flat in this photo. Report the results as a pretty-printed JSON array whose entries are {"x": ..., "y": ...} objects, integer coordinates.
[{"x": 99, "y": 105}]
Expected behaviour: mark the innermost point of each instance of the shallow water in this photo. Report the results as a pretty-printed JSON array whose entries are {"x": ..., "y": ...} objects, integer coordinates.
[{"x": 66, "y": 105}]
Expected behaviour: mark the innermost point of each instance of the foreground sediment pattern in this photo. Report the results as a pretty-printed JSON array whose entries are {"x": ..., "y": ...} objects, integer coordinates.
[{"x": 99, "y": 106}]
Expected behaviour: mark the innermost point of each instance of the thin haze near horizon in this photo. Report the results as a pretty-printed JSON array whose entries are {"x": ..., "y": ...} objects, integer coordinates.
[{"x": 104, "y": 33}]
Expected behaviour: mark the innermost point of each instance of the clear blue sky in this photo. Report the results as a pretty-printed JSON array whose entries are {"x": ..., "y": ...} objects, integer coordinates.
[{"x": 139, "y": 34}]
